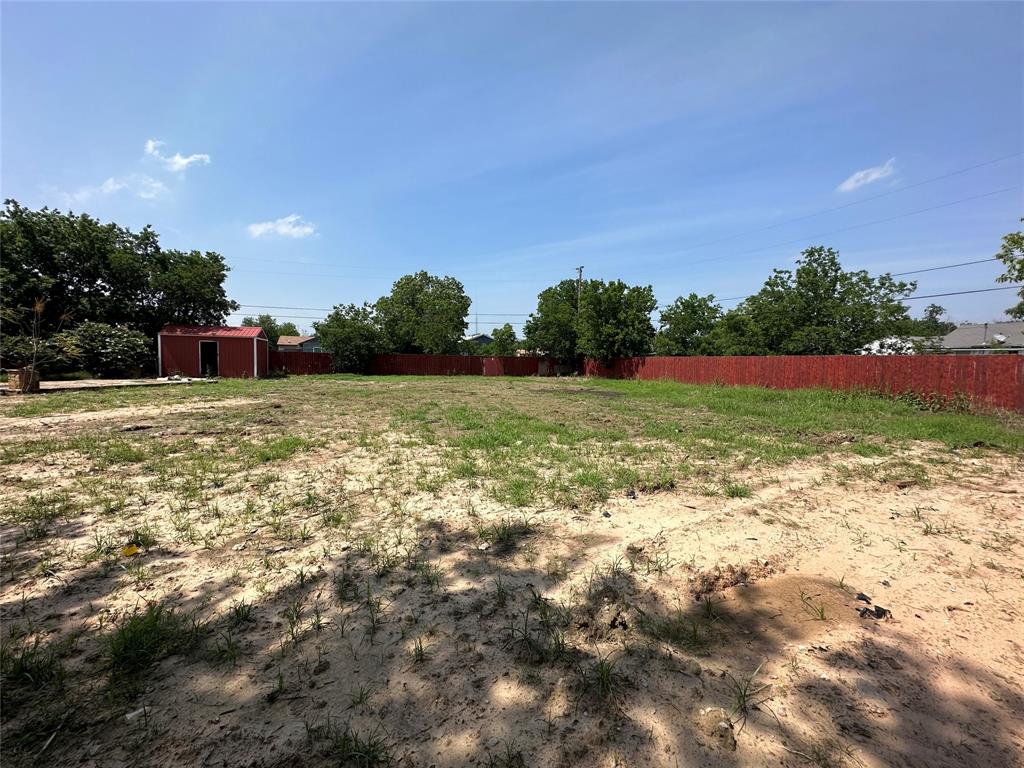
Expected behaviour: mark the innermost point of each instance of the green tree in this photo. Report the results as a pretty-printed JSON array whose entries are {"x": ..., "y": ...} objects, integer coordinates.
[
  {"x": 186, "y": 288},
  {"x": 735, "y": 334},
  {"x": 105, "y": 350},
  {"x": 686, "y": 326},
  {"x": 505, "y": 342},
  {"x": 424, "y": 314},
  {"x": 271, "y": 327},
  {"x": 1012, "y": 256},
  {"x": 551, "y": 329},
  {"x": 818, "y": 309},
  {"x": 84, "y": 270},
  {"x": 352, "y": 336},
  {"x": 930, "y": 325},
  {"x": 615, "y": 320}
]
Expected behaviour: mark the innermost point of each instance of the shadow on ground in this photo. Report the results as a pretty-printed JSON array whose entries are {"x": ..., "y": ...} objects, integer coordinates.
[{"x": 454, "y": 656}]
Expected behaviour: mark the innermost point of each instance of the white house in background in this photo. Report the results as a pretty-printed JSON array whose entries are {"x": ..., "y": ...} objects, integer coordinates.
[{"x": 298, "y": 344}]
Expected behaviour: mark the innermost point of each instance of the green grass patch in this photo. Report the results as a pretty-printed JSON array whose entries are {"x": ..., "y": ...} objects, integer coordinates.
[
  {"x": 37, "y": 513},
  {"x": 803, "y": 414},
  {"x": 144, "y": 637},
  {"x": 275, "y": 449}
]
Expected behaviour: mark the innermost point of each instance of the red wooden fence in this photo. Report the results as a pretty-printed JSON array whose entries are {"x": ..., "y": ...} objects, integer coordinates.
[
  {"x": 988, "y": 380},
  {"x": 458, "y": 365},
  {"x": 300, "y": 362},
  {"x": 995, "y": 381}
]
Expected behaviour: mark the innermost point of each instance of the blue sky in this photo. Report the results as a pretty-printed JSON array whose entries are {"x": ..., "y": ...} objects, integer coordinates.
[{"x": 327, "y": 149}]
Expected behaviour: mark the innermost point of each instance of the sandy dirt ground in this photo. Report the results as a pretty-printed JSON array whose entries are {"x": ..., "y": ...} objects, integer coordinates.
[{"x": 828, "y": 618}]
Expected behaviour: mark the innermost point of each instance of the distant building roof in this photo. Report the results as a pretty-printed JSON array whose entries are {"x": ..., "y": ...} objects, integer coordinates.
[
  {"x": 293, "y": 341},
  {"x": 223, "y": 331},
  {"x": 480, "y": 338},
  {"x": 1008, "y": 334}
]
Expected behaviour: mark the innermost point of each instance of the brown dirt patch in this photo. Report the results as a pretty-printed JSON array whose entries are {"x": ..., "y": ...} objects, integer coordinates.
[{"x": 373, "y": 604}]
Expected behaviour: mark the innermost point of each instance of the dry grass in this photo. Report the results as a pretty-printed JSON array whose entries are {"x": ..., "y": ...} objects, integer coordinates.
[{"x": 346, "y": 571}]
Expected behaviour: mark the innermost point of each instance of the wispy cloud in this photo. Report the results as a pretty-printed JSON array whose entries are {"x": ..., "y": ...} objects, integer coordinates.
[
  {"x": 869, "y": 175},
  {"x": 286, "y": 226},
  {"x": 176, "y": 162},
  {"x": 137, "y": 184}
]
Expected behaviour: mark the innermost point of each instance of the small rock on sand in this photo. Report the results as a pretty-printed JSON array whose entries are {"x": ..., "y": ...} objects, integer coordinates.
[{"x": 715, "y": 723}]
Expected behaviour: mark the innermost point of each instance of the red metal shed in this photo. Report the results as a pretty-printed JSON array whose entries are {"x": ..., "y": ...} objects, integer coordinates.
[{"x": 212, "y": 350}]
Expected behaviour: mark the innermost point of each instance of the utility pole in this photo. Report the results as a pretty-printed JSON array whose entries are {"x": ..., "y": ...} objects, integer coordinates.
[{"x": 579, "y": 286}]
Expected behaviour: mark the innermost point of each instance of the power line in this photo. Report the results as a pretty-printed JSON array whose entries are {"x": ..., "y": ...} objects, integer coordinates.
[
  {"x": 734, "y": 298},
  {"x": 321, "y": 309},
  {"x": 850, "y": 205},
  {"x": 912, "y": 272},
  {"x": 892, "y": 274},
  {"x": 375, "y": 276},
  {"x": 923, "y": 296},
  {"x": 665, "y": 306},
  {"x": 802, "y": 239},
  {"x": 947, "y": 266},
  {"x": 287, "y": 317},
  {"x": 320, "y": 317},
  {"x": 854, "y": 226},
  {"x": 273, "y": 306},
  {"x": 726, "y": 238},
  {"x": 730, "y": 255},
  {"x": 729, "y": 298},
  {"x": 960, "y": 293}
]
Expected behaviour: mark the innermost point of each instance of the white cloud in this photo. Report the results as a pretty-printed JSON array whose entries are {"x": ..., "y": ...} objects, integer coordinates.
[
  {"x": 137, "y": 184},
  {"x": 176, "y": 162},
  {"x": 147, "y": 187},
  {"x": 869, "y": 175},
  {"x": 287, "y": 226}
]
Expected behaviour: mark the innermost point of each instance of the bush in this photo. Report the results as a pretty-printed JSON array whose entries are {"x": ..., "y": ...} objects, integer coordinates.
[
  {"x": 352, "y": 336},
  {"x": 16, "y": 352},
  {"x": 105, "y": 350}
]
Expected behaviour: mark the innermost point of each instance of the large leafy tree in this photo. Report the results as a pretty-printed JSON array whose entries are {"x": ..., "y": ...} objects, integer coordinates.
[
  {"x": 1012, "y": 256},
  {"x": 615, "y": 320},
  {"x": 686, "y": 326},
  {"x": 188, "y": 288},
  {"x": 424, "y": 314},
  {"x": 352, "y": 336},
  {"x": 551, "y": 329},
  {"x": 85, "y": 270},
  {"x": 271, "y": 327},
  {"x": 817, "y": 309},
  {"x": 504, "y": 342}
]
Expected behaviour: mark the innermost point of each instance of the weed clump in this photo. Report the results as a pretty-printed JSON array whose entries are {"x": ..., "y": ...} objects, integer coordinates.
[
  {"x": 145, "y": 637},
  {"x": 505, "y": 534},
  {"x": 345, "y": 746}
]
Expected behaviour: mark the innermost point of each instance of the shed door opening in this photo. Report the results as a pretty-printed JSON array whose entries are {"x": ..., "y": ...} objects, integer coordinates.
[{"x": 208, "y": 359}]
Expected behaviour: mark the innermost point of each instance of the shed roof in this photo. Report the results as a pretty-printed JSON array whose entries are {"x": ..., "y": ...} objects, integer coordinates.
[
  {"x": 220, "y": 331},
  {"x": 293, "y": 341},
  {"x": 984, "y": 334}
]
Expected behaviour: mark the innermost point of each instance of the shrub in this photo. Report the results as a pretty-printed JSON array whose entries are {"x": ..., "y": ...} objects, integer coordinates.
[
  {"x": 105, "y": 350},
  {"x": 16, "y": 352},
  {"x": 352, "y": 336}
]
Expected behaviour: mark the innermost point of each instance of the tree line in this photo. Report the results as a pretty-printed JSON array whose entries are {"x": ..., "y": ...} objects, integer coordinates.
[
  {"x": 816, "y": 309},
  {"x": 78, "y": 293}
]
